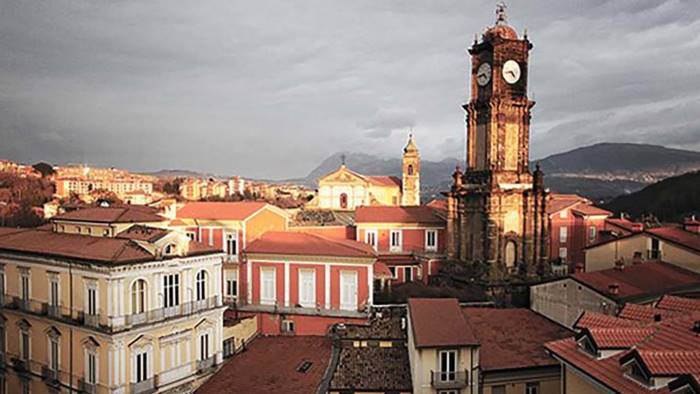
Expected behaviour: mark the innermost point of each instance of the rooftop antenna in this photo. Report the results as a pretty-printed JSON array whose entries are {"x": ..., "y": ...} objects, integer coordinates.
[{"x": 501, "y": 18}]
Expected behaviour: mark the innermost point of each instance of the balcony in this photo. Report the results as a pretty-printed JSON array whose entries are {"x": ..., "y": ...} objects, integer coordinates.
[
  {"x": 23, "y": 304},
  {"x": 20, "y": 365},
  {"x": 206, "y": 364},
  {"x": 49, "y": 375},
  {"x": 160, "y": 314},
  {"x": 449, "y": 380},
  {"x": 143, "y": 387},
  {"x": 87, "y": 387}
]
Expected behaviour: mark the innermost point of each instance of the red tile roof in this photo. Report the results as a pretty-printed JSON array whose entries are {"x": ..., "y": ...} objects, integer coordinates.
[
  {"x": 512, "y": 346},
  {"x": 270, "y": 365},
  {"x": 590, "y": 210},
  {"x": 437, "y": 322},
  {"x": 677, "y": 236},
  {"x": 295, "y": 243},
  {"x": 648, "y": 279},
  {"x": 381, "y": 271},
  {"x": 381, "y": 180},
  {"x": 682, "y": 304},
  {"x": 84, "y": 247},
  {"x": 143, "y": 233},
  {"x": 113, "y": 214},
  {"x": 618, "y": 338},
  {"x": 220, "y": 210},
  {"x": 625, "y": 224},
  {"x": 398, "y": 259},
  {"x": 382, "y": 214},
  {"x": 642, "y": 313},
  {"x": 599, "y": 320},
  {"x": 559, "y": 202},
  {"x": 671, "y": 349}
]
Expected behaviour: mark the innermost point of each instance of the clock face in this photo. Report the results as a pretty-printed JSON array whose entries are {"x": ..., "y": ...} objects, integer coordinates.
[
  {"x": 483, "y": 74},
  {"x": 511, "y": 71}
]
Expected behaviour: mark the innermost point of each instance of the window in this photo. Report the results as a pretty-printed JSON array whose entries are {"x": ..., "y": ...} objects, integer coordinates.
[
  {"x": 532, "y": 388},
  {"x": 25, "y": 386},
  {"x": 2, "y": 339},
  {"x": 288, "y": 326},
  {"x": 201, "y": 285},
  {"x": 105, "y": 233},
  {"x": 25, "y": 286},
  {"x": 191, "y": 235},
  {"x": 510, "y": 254},
  {"x": 53, "y": 354},
  {"x": 371, "y": 238},
  {"x": 562, "y": 253},
  {"x": 91, "y": 300},
  {"x": 2, "y": 284},
  {"x": 232, "y": 244},
  {"x": 348, "y": 290},
  {"x": 563, "y": 234},
  {"x": 592, "y": 233},
  {"x": 407, "y": 274},
  {"x": 395, "y": 241},
  {"x": 141, "y": 366},
  {"x": 232, "y": 284},
  {"x": 563, "y": 214},
  {"x": 53, "y": 291},
  {"x": 448, "y": 365},
  {"x": 267, "y": 286},
  {"x": 307, "y": 288},
  {"x": 410, "y": 169},
  {"x": 25, "y": 350},
  {"x": 343, "y": 201},
  {"x": 169, "y": 249},
  {"x": 393, "y": 272},
  {"x": 431, "y": 240},
  {"x": 171, "y": 290},
  {"x": 229, "y": 347},
  {"x": 138, "y": 297},
  {"x": 501, "y": 389},
  {"x": 204, "y": 347}
]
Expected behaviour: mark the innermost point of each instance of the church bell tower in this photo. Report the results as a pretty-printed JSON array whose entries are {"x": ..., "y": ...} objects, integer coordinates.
[
  {"x": 496, "y": 206},
  {"x": 410, "y": 183}
]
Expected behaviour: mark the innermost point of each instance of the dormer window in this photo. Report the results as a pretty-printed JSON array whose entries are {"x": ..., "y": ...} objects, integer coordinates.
[
  {"x": 169, "y": 250},
  {"x": 585, "y": 344}
]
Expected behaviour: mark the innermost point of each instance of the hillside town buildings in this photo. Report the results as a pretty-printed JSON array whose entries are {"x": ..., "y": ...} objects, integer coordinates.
[{"x": 83, "y": 181}]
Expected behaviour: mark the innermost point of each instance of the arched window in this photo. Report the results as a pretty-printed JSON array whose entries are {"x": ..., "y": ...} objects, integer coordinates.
[
  {"x": 138, "y": 297},
  {"x": 510, "y": 254},
  {"x": 410, "y": 169},
  {"x": 343, "y": 201},
  {"x": 201, "y": 285},
  {"x": 169, "y": 250}
]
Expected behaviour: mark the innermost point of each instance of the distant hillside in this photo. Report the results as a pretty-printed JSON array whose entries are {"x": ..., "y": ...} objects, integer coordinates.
[
  {"x": 600, "y": 172},
  {"x": 672, "y": 199},
  {"x": 178, "y": 174}
]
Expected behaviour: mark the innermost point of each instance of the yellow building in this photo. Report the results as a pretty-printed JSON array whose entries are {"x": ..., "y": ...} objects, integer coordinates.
[
  {"x": 344, "y": 189},
  {"x": 129, "y": 309}
]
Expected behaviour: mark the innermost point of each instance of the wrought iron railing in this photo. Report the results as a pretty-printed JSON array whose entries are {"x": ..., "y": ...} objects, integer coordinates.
[{"x": 446, "y": 380}]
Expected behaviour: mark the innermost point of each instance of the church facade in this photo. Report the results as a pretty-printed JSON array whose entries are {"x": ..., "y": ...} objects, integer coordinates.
[
  {"x": 346, "y": 190},
  {"x": 496, "y": 207}
]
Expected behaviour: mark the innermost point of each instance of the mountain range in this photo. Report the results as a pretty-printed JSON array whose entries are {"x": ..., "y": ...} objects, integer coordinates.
[{"x": 599, "y": 172}]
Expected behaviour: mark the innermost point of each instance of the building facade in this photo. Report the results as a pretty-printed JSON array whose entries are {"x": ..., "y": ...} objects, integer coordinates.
[
  {"x": 135, "y": 312},
  {"x": 345, "y": 190},
  {"x": 496, "y": 208}
]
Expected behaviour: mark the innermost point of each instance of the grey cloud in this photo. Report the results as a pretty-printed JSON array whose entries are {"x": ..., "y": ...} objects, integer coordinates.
[{"x": 271, "y": 88}]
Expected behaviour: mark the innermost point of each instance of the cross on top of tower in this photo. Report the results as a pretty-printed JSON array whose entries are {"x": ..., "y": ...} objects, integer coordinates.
[
  {"x": 342, "y": 159},
  {"x": 501, "y": 18}
]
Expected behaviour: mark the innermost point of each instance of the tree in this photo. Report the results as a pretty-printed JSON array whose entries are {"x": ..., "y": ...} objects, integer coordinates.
[{"x": 44, "y": 169}]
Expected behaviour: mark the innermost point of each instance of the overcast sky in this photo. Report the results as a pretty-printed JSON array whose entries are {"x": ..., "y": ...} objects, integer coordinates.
[{"x": 270, "y": 88}]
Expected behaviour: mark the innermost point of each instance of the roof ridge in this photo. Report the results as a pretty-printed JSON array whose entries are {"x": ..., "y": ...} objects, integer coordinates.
[{"x": 338, "y": 242}]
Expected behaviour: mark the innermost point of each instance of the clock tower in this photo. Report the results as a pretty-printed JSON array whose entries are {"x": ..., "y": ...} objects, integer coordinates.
[{"x": 496, "y": 206}]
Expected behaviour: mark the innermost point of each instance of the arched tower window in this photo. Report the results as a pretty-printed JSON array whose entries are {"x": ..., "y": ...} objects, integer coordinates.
[
  {"x": 138, "y": 297},
  {"x": 410, "y": 169},
  {"x": 343, "y": 201},
  {"x": 201, "y": 285},
  {"x": 510, "y": 254}
]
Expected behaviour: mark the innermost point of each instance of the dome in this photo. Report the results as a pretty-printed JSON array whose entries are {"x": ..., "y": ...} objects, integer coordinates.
[{"x": 503, "y": 31}]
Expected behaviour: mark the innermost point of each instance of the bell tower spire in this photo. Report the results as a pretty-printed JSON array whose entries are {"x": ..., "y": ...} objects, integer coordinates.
[{"x": 410, "y": 185}]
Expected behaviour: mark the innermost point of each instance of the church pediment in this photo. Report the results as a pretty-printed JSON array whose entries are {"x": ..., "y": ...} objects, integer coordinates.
[{"x": 343, "y": 175}]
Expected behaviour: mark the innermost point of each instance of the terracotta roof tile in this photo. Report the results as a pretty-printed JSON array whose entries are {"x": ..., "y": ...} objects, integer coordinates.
[
  {"x": 682, "y": 304},
  {"x": 559, "y": 202},
  {"x": 677, "y": 236},
  {"x": 220, "y": 210},
  {"x": 618, "y": 338},
  {"x": 381, "y": 180},
  {"x": 670, "y": 363},
  {"x": 452, "y": 330},
  {"x": 643, "y": 313},
  {"x": 382, "y": 214},
  {"x": 640, "y": 280},
  {"x": 590, "y": 210},
  {"x": 372, "y": 369},
  {"x": 512, "y": 346},
  {"x": 113, "y": 214},
  {"x": 269, "y": 365},
  {"x": 143, "y": 233},
  {"x": 381, "y": 271},
  {"x": 599, "y": 320},
  {"x": 625, "y": 224},
  {"x": 295, "y": 243}
]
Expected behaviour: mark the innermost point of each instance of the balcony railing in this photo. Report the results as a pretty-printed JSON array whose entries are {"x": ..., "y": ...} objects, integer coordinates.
[
  {"x": 449, "y": 380},
  {"x": 206, "y": 364},
  {"x": 87, "y": 387},
  {"x": 143, "y": 387},
  {"x": 100, "y": 320},
  {"x": 49, "y": 374}
]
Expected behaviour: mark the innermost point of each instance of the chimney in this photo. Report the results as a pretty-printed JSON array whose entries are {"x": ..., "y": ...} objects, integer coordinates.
[
  {"x": 614, "y": 289},
  {"x": 692, "y": 225},
  {"x": 620, "y": 264},
  {"x": 637, "y": 259}
]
